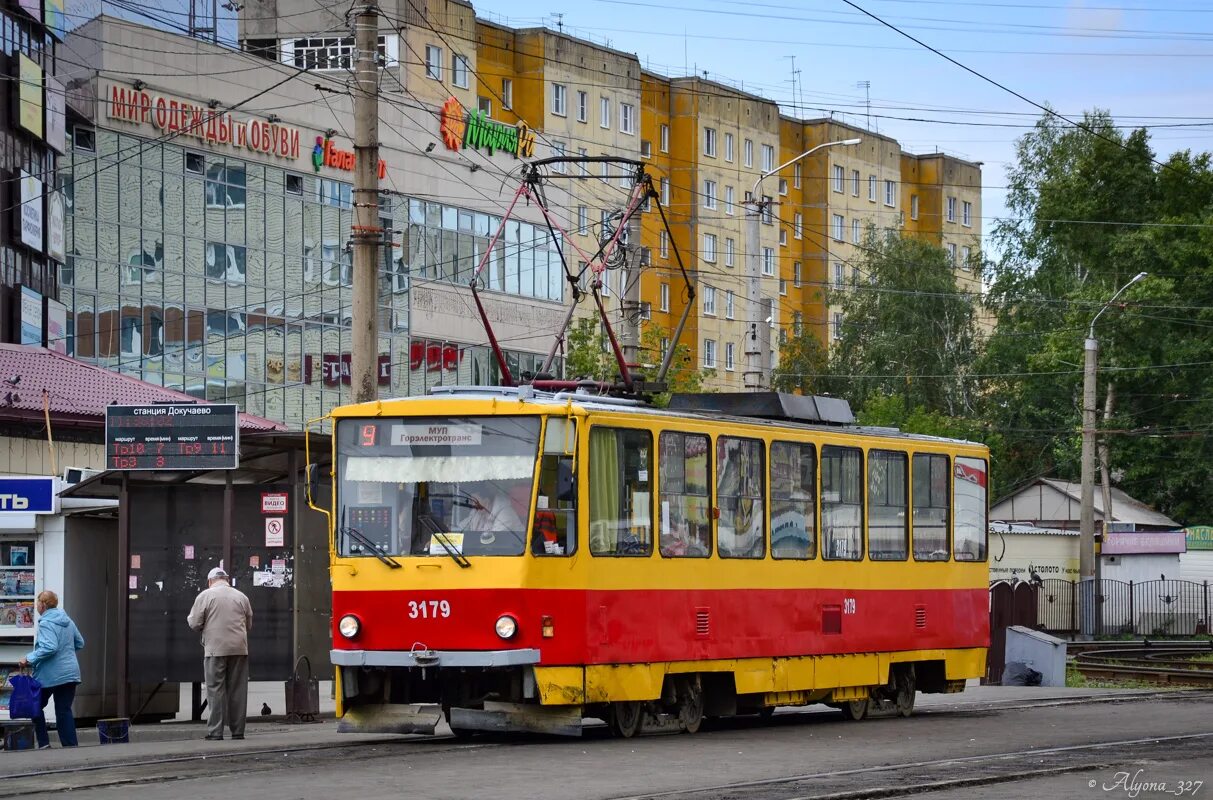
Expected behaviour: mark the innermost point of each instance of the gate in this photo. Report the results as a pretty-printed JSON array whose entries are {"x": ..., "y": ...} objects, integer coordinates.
[{"x": 1010, "y": 604}]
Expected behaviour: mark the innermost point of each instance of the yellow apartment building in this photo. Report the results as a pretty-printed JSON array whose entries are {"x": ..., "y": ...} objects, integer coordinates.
[{"x": 942, "y": 204}]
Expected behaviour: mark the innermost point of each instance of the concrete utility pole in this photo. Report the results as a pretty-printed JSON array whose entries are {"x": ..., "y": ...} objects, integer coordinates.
[
  {"x": 758, "y": 328},
  {"x": 366, "y": 235},
  {"x": 1086, "y": 523}
]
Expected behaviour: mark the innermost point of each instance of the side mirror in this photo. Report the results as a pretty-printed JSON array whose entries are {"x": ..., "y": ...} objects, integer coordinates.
[{"x": 313, "y": 484}]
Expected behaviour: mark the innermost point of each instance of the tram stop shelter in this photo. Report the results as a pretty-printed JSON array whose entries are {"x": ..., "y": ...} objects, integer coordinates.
[{"x": 254, "y": 520}]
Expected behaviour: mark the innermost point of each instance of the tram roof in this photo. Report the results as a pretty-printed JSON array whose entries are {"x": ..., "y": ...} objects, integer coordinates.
[{"x": 591, "y": 402}]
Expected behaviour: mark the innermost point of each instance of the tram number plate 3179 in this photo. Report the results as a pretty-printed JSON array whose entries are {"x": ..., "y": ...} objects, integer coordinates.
[{"x": 429, "y": 609}]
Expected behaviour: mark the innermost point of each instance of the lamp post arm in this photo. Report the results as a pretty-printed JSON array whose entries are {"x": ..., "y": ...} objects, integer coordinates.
[
  {"x": 790, "y": 162},
  {"x": 1111, "y": 300}
]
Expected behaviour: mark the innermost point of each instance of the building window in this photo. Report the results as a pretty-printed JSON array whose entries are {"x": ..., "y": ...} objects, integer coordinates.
[
  {"x": 709, "y": 301},
  {"x": 646, "y": 148},
  {"x": 627, "y": 118},
  {"x": 840, "y": 274},
  {"x": 709, "y": 194},
  {"x": 195, "y": 163},
  {"x": 665, "y": 138},
  {"x": 709, "y": 247},
  {"x": 728, "y": 304},
  {"x": 855, "y": 182},
  {"x": 965, "y": 255},
  {"x": 225, "y": 185},
  {"x": 967, "y": 210},
  {"x": 559, "y": 99},
  {"x": 709, "y": 142},
  {"x": 783, "y": 187},
  {"x": 837, "y": 223},
  {"x": 768, "y": 158},
  {"x": 728, "y": 357},
  {"x": 796, "y": 273},
  {"x": 729, "y": 250},
  {"x": 836, "y": 325},
  {"x": 604, "y": 171},
  {"x": 951, "y": 209},
  {"x": 663, "y": 244},
  {"x": 839, "y": 178},
  {"x": 665, "y": 191},
  {"x": 951, "y": 253},
  {"x": 604, "y": 112},
  {"x": 768, "y": 261},
  {"x": 783, "y": 287},
  {"x": 749, "y": 153},
  {"x": 728, "y": 200},
  {"x": 913, "y": 206},
  {"x": 783, "y": 237},
  {"x": 728, "y": 147},
  {"x": 768, "y": 216},
  {"x": 559, "y": 152},
  {"x": 433, "y": 62},
  {"x": 225, "y": 262},
  {"x": 294, "y": 184},
  {"x": 890, "y": 193},
  {"x": 665, "y": 297},
  {"x": 797, "y": 225},
  {"x": 583, "y": 107},
  {"x": 856, "y": 231},
  {"x": 872, "y": 188},
  {"x": 334, "y": 193},
  {"x": 709, "y": 353},
  {"x": 459, "y": 71},
  {"x": 583, "y": 220},
  {"x": 797, "y": 322},
  {"x": 485, "y": 106},
  {"x": 507, "y": 93},
  {"x": 796, "y": 175}
]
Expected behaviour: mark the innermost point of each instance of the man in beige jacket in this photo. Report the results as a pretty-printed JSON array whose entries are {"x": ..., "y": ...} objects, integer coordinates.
[{"x": 224, "y": 616}]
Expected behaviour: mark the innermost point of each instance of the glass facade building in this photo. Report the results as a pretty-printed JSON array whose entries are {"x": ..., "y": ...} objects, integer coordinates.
[{"x": 230, "y": 278}]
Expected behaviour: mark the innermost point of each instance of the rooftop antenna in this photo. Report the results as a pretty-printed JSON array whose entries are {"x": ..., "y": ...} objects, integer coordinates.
[
  {"x": 867, "y": 92},
  {"x": 204, "y": 19},
  {"x": 797, "y": 96},
  {"x": 559, "y": 15}
]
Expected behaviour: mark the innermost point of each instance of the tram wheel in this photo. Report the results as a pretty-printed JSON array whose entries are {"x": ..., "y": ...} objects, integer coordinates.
[
  {"x": 690, "y": 710},
  {"x": 625, "y": 718},
  {"x": 906, "y": 691},
  {"x": 855, "y": 709}
]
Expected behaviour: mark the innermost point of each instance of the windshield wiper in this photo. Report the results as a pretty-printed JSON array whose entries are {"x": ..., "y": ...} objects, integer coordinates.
[
  {"x": 435, "y": 531},
  {"x": 377, "y": 550}
]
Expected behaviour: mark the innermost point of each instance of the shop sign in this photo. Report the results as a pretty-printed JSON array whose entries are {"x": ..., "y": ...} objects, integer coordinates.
[
  {"x": 56, "y": 115},
  {"x": 460, "y": 128},
  {"x": 28, "y": 494},
  {"x": 1200, "y": 537},
  {"x": 1143, "y": 542},
  {"x": 29, "y": 212},
  {"x": 189, "y": 120},
  {"x": 31, "y": 317},
  {"x": 338, "y": 369},
  {"x": 327, "y": 154},
  {"x": 56, "y": 326},
  {"x": 56, "y": 224},
  {"x": 29, "y": 95},
  {"x": 433, "y": 356}
]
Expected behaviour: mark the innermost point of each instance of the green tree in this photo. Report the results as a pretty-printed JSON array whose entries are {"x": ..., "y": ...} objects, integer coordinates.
[
  {"x": 803, "y": 362},
  {"x": 683, "y": 376},
  {"x": 588, "y": 354}
]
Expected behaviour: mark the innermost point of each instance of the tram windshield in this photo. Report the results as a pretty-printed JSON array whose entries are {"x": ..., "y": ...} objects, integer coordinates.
[{"x": 448, "y": 486}]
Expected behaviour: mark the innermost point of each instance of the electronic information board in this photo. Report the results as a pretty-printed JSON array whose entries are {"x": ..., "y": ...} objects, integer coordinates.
[{"x": 171, "y": 436}]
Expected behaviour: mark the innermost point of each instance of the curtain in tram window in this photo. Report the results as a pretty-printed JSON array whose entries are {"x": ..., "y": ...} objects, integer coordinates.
[{"x": 604, "y": 490}]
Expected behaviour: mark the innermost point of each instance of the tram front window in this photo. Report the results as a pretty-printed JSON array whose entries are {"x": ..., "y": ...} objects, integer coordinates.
[{"x": 441, "y": 487}]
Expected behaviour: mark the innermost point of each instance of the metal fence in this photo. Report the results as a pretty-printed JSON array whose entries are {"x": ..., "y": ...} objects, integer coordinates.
[{"x": 1112, "y": 608}]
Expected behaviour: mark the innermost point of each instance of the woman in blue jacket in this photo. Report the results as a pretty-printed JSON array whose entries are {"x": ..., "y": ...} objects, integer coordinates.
[{"x": 55, "y": 667}]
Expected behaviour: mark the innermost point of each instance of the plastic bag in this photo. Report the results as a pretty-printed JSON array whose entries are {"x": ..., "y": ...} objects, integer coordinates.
[{"x": 26, "y": 700}]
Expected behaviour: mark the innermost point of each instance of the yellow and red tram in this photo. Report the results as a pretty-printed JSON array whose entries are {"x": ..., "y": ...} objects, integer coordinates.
[{"x": 521, "y": 560}]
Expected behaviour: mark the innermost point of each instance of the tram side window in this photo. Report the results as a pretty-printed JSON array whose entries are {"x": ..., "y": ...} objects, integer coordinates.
[
  {"x": 740, "y": 527},
  {"x": 621, "y": 508},
  {"x": 685, "y": 530},
  {"x": 555, "y": 527},
  {"x": 793, "y": 500},
  {"x": 842, "y": 502},
  {"x": 931, "y": 504},
  {"x": 969, "y": 491},
  {"x": 887, "y": 528}
]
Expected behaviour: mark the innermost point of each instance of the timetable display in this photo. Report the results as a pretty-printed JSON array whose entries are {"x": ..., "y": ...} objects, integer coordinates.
[{"x": 172, "y": 436}]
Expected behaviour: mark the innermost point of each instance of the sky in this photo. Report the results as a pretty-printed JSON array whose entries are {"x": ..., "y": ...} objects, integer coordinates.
[{"x": 1148, "y": 62}]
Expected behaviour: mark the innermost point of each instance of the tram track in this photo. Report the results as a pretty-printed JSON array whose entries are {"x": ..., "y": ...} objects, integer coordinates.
[
  {"x": 1153, "y": 662},
  {"x": 212, "y": 764}
]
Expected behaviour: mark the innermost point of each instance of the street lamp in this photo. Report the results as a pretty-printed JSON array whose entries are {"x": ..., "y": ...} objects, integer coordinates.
[
  {"x": 757, "y": 361},
  {"x": 1086, "y": 537}
]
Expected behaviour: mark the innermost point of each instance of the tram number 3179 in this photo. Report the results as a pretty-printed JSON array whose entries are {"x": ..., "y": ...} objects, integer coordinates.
[
  {"x": 429, "y": 609},
  {"x": 848, "y": 605}
]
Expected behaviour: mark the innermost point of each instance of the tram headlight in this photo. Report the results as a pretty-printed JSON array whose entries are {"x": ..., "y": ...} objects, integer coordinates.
[
  {"x": 349, "y": 626},
  {"x": 506, "y": 626}
]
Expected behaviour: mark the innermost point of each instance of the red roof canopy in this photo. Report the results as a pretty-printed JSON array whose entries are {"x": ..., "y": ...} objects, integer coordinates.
[{"x": 79, "y": 392}]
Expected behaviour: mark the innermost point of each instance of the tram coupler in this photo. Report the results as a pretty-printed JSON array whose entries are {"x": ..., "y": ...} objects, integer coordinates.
[
  {"x": 391, "y": 718},
  {"x": 498, "y": 717}
]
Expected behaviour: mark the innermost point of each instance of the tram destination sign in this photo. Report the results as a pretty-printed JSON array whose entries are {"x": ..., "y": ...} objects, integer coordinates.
[{"x": 172, "y": 436}]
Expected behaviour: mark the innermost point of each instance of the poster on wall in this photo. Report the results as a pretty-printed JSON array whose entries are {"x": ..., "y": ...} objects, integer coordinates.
[
  {"x": 31, "y": 317},
  {"x": 56, "y": 326},
  {"x": 29, "y": 212},
  {"x": 56, "y": 115},
  {"x": 55, "y": 16},
  {"x": 30, "y": 114},
  {"x": 56, "y": 224}
]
